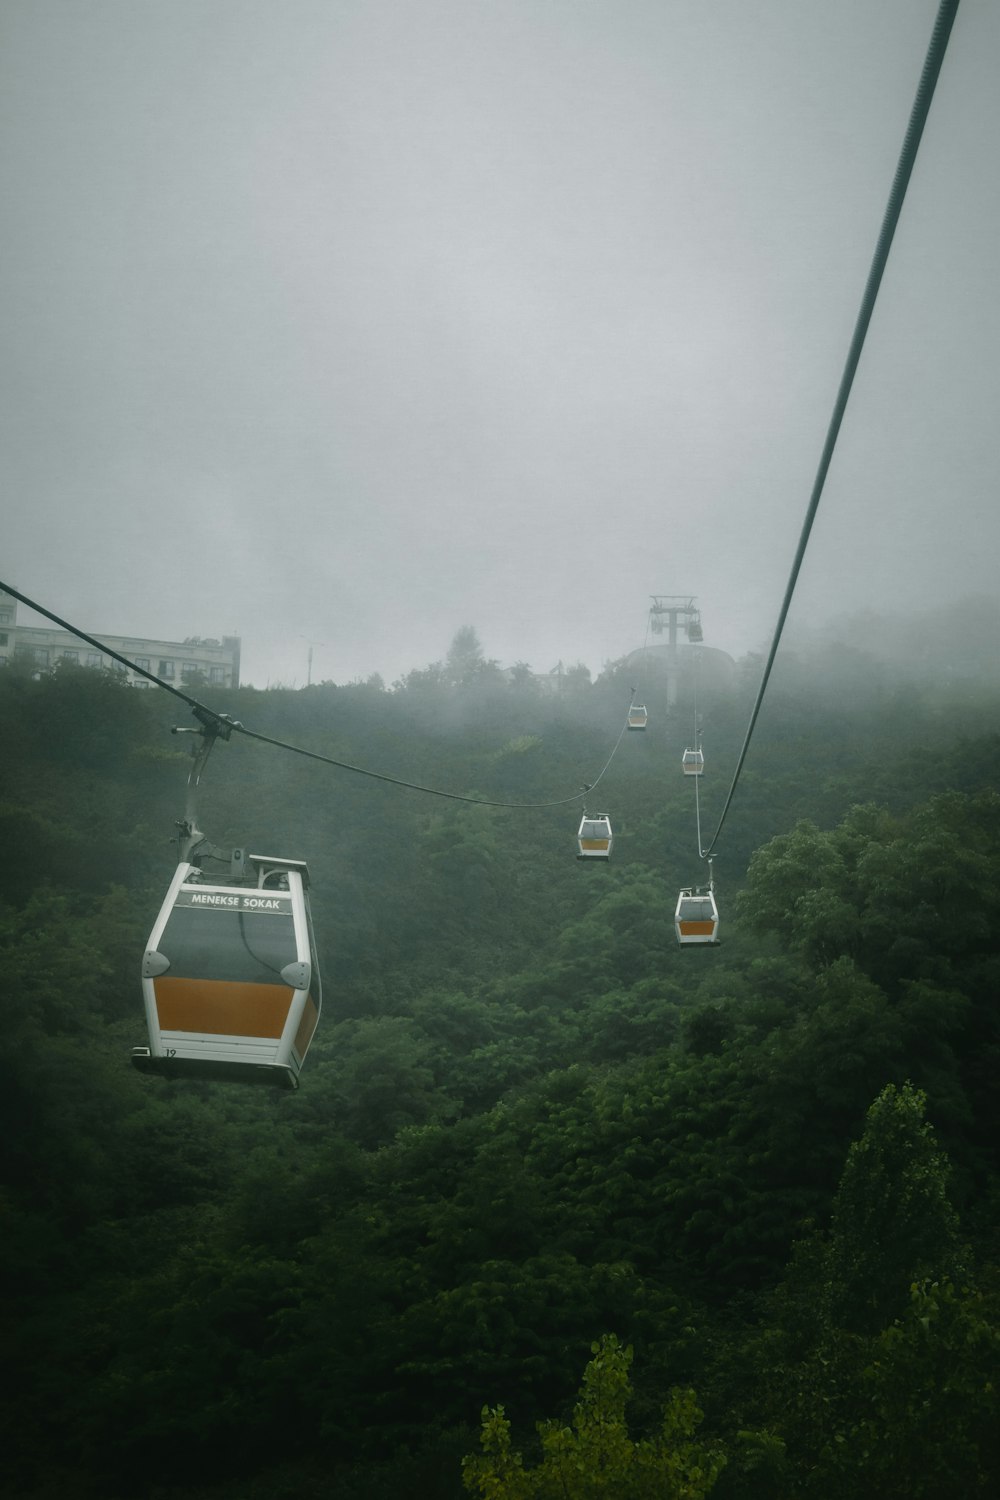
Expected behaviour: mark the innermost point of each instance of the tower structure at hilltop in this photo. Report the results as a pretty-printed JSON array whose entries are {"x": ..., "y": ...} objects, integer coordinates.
[
  {"x": 669, "y": 614},
  {"x": 674, "y": 616}
]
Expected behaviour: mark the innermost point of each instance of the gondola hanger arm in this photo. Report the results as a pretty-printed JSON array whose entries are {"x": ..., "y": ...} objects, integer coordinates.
[{"x": 191, "y": 840}]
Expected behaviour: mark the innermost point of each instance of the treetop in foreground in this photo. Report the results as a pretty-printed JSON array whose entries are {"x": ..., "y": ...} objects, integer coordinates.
[{"x": 595, "y": 1456}]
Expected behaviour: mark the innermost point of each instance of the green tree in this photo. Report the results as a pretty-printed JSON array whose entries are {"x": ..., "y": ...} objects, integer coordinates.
[
  {"x": 928, "y": 1397},
  {"x": 892, "y": 1221},
  {"x": 577, "y": 677},
  {"x": 799, "y": 887},
  {"x": 881, "y": 1365},
  {"x": 464, "y": 661},
  {"x": 913, "y": 898},
  {"x": 909, "y": 1413},
  {"x": 596, "y": 1457},
  {"x": 522, "y": 678},
  {"x": 381, "y": 1078}
]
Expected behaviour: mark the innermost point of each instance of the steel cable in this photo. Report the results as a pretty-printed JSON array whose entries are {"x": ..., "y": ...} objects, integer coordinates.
[
  {"x": 222, "y": 724},
  {"x": 908, "y": 155}
]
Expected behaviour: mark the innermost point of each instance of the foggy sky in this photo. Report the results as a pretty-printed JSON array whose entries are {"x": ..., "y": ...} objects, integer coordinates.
[{"x": 357, "y": 322}]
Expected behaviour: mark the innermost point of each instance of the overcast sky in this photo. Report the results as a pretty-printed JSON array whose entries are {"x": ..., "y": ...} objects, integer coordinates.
[{"x": 356, "y": 322}]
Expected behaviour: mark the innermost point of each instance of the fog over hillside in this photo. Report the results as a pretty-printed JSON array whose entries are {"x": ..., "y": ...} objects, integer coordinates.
[
  {"x": 339, "y": 326},
  {"x": 955, "y": 641}
]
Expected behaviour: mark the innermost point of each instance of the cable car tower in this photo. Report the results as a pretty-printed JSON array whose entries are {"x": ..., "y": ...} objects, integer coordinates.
[
  {"x": 666, "y": 614},
  {"x": 671, "y": 615}
]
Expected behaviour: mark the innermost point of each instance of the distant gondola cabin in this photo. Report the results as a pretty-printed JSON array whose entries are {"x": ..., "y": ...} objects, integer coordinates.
[
  {"x": 693, "y": 763},
  {"x": 696, "y": 919},
  {"x": 230, "y": 979},
  {"x": 637, "y": 716},
  {"x": 594, "y": 838}
]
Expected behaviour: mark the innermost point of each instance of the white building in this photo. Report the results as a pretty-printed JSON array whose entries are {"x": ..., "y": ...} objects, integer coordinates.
[{"x": 192, "y": 660}]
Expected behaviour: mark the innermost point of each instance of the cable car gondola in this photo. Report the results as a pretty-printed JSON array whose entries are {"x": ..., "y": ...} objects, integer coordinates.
[
  {"x": 595, "y": 837},
  {"x": 693, "y": 762},
  {"x": 230, "y": 979},
  {"x": 696, "y": 919},
  {"x": 637, "y": 716}
]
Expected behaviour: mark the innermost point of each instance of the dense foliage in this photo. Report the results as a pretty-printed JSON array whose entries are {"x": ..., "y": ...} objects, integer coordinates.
[{"x": 531, "y": 1128}]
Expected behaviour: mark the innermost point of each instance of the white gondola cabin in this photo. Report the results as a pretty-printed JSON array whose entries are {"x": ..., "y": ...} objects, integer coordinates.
[
  {"x": 696, "y": 919},
  {"x": 230, "y": 979},
  {"x": 637, "y": 716},
  {"x": 692, "y": 763},
  {"x": 594, "y": 838}
]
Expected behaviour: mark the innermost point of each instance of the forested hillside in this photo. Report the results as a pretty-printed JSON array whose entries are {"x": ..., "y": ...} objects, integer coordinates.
[{"x": 532, "y": 1132}]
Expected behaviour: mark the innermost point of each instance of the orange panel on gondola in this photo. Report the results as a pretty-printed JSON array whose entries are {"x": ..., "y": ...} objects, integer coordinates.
[
  {"x": 218, "y": 1007},
  {"x": 307, "y": 1025}
]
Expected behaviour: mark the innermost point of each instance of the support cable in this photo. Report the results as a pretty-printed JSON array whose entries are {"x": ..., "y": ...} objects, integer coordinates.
[
  {"x": 918, "y": 118},
  {"x": 223, "y": 725},
  {"x": 644, "y": 662},
  {"x": 40, "y": 609},
  {"x": 697, "y": 815},
  {"x": 430, "y": 790}
]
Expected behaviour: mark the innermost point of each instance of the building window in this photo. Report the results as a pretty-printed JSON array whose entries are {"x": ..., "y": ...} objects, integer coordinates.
[
  {"x": 3, "y": 638},
  {"x": 191, "y": 669},
  {"x": 5, "y": 616},
  {"x": 142, "y": 661},
  {"x": 165, "y": 669},
  {"x": 70, "y": 655},
  {"x": 93, "y": 658},
  {"x": 217, "y": 674}
]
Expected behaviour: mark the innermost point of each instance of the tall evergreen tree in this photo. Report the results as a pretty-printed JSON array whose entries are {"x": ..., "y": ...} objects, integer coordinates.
[{"x": 892, "y": 1221}]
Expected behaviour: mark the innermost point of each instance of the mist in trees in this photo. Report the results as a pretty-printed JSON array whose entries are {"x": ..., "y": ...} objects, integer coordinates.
[{"x": 532, "y": 1132}]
